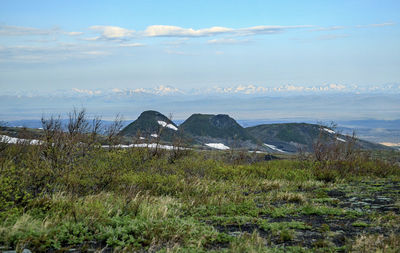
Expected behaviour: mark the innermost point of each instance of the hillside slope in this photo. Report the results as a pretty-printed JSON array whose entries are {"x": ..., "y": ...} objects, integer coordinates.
[
  {"x": 210, "y": 128},
  {"x": 291, "y": 137},
  {"x": 151, "y": 124}
]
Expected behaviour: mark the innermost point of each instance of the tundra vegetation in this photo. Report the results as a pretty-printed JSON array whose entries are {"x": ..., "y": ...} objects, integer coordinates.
[{"x": 69, "y": 194}]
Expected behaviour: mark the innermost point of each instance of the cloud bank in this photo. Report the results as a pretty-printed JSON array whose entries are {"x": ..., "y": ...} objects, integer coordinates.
[{"x": 119, "y": 33}]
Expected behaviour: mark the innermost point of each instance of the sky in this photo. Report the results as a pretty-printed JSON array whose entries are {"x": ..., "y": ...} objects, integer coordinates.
[{"x": 87, "y": 45}]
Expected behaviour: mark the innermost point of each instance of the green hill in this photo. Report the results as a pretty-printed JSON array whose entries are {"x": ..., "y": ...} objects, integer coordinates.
[
  {"x": 151, "y": 123},
  {"x": 291, "y": 137},
  {"x": 215, "y": 128}
]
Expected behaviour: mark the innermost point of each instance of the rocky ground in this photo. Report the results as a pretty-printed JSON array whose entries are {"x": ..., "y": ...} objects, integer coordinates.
[{"x": 357, "y": 209}]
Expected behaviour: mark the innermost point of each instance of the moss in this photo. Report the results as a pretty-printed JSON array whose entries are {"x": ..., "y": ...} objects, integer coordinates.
[
  {"x": 360, "y": 224},
  {"x": 278, "y": 226}
]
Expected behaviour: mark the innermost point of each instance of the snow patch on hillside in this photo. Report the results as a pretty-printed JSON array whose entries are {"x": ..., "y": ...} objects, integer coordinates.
[
  {"x": 329, "y": 130},
  {"x": 145, "y": 145},
  {"x": 13, "y": 140},
  {"x": 164, "y": 124},
  {"x": 154, "y": 135},
  {"x": 340, "y": 139},
  {"x": 220, "y": 146},
  {"x": 273, "y": 147}
]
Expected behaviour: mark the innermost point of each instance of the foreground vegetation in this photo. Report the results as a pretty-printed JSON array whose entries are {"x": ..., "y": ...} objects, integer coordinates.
[{"x": 69, "y": 193}]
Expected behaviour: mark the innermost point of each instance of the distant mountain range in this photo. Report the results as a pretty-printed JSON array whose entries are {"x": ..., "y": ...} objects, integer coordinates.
[
  {"x": 278, "y": 107},
  {"x": 248, "y": 89},
  {"x": 222, "y": 132}
]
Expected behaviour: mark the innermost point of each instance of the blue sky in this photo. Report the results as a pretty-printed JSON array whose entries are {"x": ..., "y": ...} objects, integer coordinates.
[{"x": 50, "y": 45}]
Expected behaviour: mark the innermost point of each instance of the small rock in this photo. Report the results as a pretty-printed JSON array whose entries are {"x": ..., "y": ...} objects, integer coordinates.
[
  {"x": 353, "y": 199},
  {"x": 361, "y": 203},
  {"x": 335, "y": 193},
  {"x": 236, "y": 233},
  {"x": 384, "y": 199}
]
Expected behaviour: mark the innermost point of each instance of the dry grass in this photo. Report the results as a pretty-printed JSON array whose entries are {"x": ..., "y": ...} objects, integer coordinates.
[
  {"x": 291, "y": 197},
  {"x": 377, "y": 243}
]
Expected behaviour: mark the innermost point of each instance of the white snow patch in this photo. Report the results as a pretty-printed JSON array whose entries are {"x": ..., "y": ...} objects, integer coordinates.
[
  {"x": 220, "y": 146},
  {"x": 273, "y": 147},
  {"x": 142, "y": 138},
  {"x": 13, "y": 140},
  {"x": 144, "y": 145},
  {"x": 154, "y": 135},
  {"x": 152, "y": 145},
  {"x": 164, "y": 124},
  {"x": 329, "y": 130},
  {"x": 340, "y": 139},
  {"x": 257, "y": 152}
]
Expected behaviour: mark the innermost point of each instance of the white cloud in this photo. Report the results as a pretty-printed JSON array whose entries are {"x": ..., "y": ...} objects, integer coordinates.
[
  {"x": 332, "y": 36},
  {"x": 92, "y": 38},
  {"x": 132, "y": 45},
  {"x": 50, "y": 53},
  {"x": 383, "y": 24},
  {"x": 177, "y": 52},
  {"x": 226, "y": 41},
  {"x": 376, "y": 25},
  {"x": 176, "y": 31},
  {"x": 74, "y": 33},
  {"x": 331, "y": 28},
  {"x": 120, "y": 33},
  {"x": 8, "y": 30},
  {"x": 111, "y": 32},
  {"x": 257, "y": 30},
  {"x": 95, "y": 53},
  {"x": 176, "y": 43}
]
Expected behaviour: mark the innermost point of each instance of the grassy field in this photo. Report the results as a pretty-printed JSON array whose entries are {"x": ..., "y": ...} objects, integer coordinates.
[{"x": 78, "y": 197}]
